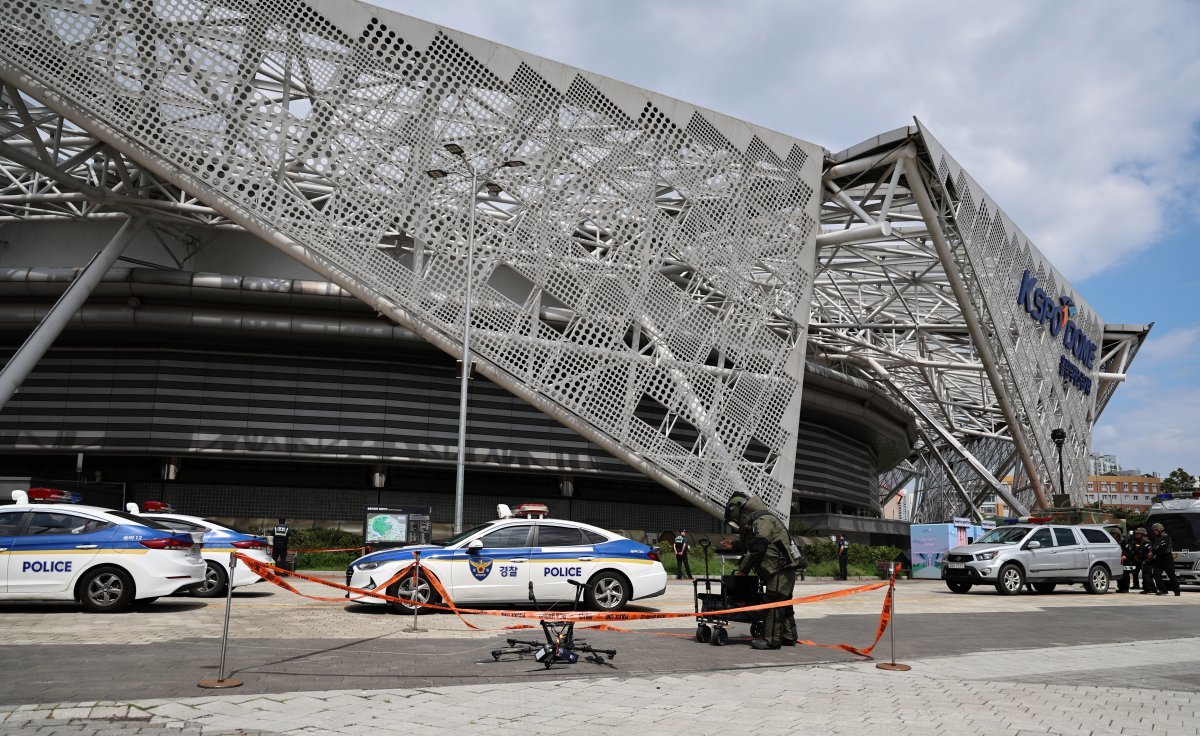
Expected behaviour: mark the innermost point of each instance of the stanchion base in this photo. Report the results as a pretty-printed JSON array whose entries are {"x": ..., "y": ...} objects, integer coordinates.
[
  {"x": 212, "y": 683},
  {"x": 893, "y": 667},
  {"x": 412, "y": 630}
]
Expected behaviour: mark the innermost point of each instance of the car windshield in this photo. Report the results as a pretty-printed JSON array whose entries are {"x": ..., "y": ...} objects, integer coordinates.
[
  {"x": 463, "y": 535},
  {"x": 1004, "y": 535}
]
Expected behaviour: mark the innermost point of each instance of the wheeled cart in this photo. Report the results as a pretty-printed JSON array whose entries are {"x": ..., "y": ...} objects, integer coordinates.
[{"x": 723, "y": 593}]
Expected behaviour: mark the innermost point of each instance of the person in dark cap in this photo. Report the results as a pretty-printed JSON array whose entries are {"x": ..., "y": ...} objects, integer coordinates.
[
  {"x": 1126, "y": 555},
  {"x": 279, "y": 542},
  {"x": 682, "y": 566},
  {"x": 1138, "y": 548},
  {"x": 1164, "y": 560}
]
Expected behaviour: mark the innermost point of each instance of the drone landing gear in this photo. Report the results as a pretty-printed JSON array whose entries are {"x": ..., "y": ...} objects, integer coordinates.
[{"x": 560, "y": 644}]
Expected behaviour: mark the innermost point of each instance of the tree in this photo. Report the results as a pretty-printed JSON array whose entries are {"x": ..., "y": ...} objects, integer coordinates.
[{"x": 1178, "y": 480}]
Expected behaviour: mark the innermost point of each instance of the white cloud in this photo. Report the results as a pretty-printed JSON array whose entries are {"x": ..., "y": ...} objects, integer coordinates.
[
  {"x": 1155, "y": 433},
  {"x": 1177, "y": 345},
  {"x": 1078, "y": 118}
]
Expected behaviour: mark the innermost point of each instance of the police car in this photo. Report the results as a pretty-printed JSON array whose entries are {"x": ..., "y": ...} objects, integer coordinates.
[
  {"x": 219, "y": 542},
  {"x": 104, "y": 559},
  {"x": 497, "y": 561}
]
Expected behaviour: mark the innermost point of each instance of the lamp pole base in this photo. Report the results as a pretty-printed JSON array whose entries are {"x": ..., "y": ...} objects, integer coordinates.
[{"x": 893, "y": 667}]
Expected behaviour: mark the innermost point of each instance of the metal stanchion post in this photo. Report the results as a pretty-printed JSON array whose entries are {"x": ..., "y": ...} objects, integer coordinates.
[
  {"x": 412, "y": 593},
  {"x": 893, "y": 666},
  {"x": 222, "y": 681}
]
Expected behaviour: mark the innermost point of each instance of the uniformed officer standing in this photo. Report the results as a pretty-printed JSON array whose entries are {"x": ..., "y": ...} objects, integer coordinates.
[
  {"x": 773, "y": 556},
  {"x": 1138, "y": 549},
  {"x": 1147, "y": 563},
  {"x": 1123, "y": 581},
  {"x": 279, "y": 542},
  {"x": 1164, "y": 560},
  {"x": 843, "y": 557},
  {"x": 681, "y": 556}
]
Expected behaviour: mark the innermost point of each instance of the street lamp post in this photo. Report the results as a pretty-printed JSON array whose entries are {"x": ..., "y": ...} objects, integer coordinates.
[
  {"x": 1059, "y": 435},
  {"x": 460, "y": 464}
]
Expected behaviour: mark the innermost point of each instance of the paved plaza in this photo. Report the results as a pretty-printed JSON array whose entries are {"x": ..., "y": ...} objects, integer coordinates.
[{"x": 1066, "y": 663}]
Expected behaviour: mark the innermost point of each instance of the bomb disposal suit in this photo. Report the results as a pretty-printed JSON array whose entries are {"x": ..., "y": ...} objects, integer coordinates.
[{"x": 774, "y": 557}]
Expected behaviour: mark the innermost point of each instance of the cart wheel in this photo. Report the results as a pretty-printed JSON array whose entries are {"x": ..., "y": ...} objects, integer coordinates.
[
  {"x": 720, "y": 637},
  {"x": 757, "y": 629},
  {"x": 703, "y": 633}
]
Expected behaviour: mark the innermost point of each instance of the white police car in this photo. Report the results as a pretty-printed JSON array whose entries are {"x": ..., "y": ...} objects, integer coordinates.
[
  {"x": 496, "y": 562},
  {"x": 104, "y": 559},
  {"x": 219, "y": 542}
]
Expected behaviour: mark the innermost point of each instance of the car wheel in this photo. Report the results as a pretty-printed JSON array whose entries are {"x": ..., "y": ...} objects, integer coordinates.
[
  {"x": 607, "y": 591},
  {"x": 403, "y": 589},
  {"x": 958, "y": 586},
  {"x": 1097, "y": 580},
  {"x": 1044, "y": 587},
  {"x": 106, "y": 590},
  {"x": 1010, "y": 580},
  {"x": 214, "y": 581}
]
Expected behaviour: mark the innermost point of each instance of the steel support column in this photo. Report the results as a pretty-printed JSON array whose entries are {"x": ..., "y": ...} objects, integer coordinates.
[
  {"x": 43, "y": 336},
  {"x": 918, "y": 187},
  {"x": 948, "y": 437}
]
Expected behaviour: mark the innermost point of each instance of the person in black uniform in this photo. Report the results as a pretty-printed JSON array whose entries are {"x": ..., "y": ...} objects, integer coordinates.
[
  {"x": 1164, "y": 560},
  {"x": 1123, "y": 581},
  {"x": 1139, "y": 547},
  {"x": 1148, "y": 587},
  {"x": 843, "y": 557},
  {"x": 681, "y": 556},
  {"x": 279, "y": 543}
]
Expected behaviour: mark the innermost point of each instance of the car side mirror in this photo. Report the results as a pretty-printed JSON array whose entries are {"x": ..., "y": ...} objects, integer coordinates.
[
  {"x": 1033, "y": 545},
  {"x": 475, "y": 546}
]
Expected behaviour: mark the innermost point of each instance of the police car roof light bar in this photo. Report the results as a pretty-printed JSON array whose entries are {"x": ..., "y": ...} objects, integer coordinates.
[{"x": 532, "y": 511}]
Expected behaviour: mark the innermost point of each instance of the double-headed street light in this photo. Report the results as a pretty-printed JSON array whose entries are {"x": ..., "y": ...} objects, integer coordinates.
[{"x": 468, "y": 161}]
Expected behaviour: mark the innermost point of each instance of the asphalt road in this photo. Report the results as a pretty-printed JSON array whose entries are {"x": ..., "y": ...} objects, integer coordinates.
[{"x": 281, "y": 643}]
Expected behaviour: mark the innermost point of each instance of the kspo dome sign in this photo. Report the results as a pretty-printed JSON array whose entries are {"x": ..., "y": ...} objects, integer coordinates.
[{"x": 1042, "y": 309}]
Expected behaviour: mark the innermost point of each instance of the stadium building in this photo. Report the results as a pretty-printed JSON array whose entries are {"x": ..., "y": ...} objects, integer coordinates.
[{"x": 239, "y": 246}]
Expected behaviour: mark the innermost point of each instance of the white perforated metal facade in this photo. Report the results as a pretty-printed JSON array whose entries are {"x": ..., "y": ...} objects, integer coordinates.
[{"x": 648, "y": 254}]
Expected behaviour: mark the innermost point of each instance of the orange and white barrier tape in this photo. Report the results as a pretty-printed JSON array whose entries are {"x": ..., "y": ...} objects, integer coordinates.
[{"x": 267, "y": 572}]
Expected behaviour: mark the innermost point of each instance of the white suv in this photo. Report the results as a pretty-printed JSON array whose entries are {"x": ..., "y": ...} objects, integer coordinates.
[{"x": 1043, "y": 555}]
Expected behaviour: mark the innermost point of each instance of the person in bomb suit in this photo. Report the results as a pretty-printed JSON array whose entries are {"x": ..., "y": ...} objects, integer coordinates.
[
  {"x": 1164, "y": 560},
  {"x": 771, "y": 554}
]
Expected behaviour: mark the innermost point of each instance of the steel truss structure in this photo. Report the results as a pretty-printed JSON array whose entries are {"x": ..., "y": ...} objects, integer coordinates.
[
  {"x": 919, "y": 289},
  {"x": 650, "y": 259}
]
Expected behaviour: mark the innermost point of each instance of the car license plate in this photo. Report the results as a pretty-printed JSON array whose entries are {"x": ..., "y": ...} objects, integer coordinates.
[{"x": 956, "y": 565}]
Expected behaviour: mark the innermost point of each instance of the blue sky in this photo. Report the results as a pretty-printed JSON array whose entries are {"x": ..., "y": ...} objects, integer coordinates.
[{"x": 1081, "y": 119}]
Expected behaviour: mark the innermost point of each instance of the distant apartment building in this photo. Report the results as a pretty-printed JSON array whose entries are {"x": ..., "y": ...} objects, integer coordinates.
[
  {"x": 1105, "y": 464},
  {"x": 1132, "y": 492},
  {"x": 898, "y": 507},
  {"x": 1124, "y": 489}
]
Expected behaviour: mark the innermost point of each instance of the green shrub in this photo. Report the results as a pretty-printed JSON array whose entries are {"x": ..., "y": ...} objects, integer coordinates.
[
  {"x": 822, "y": 559},
  {"x": 324, "y": 539}
]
